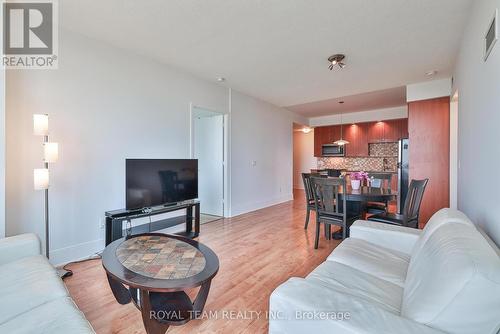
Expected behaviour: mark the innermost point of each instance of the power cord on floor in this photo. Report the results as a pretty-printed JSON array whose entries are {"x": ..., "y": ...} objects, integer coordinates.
[{"x": 69, "y": 272}]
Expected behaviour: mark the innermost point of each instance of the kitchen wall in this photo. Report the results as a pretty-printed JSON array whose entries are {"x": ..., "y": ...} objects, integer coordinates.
[
  {"x": 477, "y": 84},
  {"x": 383, "y": 157},
  {"x": 303, "y": 156},
  {"x": 106, "y": 104}
]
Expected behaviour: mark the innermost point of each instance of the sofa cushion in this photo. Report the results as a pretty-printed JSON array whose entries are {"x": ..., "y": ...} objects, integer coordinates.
[
  {"x": 60, "y": 316},
  {"x": 377, "y": 261},
  {"x": 453, "y": 282},
  {"x": 301, "y": 306},
  {"x": 440, "y": 218},
  {"x": 350, "y": 281},
  {"x": 26, "y": 284}
]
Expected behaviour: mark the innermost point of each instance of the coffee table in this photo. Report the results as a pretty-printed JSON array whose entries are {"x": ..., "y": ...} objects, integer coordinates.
[{"x": 153, "y": 270}]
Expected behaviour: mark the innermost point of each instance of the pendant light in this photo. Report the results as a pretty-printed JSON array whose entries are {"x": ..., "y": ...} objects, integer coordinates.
[{"x": 341, "y": 141}]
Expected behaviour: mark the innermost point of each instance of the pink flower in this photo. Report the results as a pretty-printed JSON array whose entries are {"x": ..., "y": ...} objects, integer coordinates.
[{"x": 358, "y": 176}]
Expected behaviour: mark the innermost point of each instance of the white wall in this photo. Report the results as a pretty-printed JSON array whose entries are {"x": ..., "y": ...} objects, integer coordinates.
[
  {"x": 261, "y": 154},
  {"x": 2, "y": 150},
  {"x": 105, "y": 105},
  {"x": 2, "y": 138},
  {"x": 428, "y": 90},
  {"x": 478, "y": 116},
  {"x": 362, "y": 116},
  {"x": 303, "y": 156}
]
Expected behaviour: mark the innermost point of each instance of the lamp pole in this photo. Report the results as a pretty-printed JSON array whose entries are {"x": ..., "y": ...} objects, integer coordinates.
[{"x": 46, "y": 165}]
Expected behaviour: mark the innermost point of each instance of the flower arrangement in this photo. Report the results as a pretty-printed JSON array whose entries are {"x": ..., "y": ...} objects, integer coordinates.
[
  {"x": 357, "y": 178},
  {"x": 361, "y": 176}
]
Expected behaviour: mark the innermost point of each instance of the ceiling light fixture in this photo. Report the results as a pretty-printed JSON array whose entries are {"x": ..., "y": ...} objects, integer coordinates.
[
  {"x": 221, "y": 79},
  {"x": 306, "y": 130},
  {"x": 341, "y": 141},
  {"x": 336, "y": 60},
  {"x": 431, "y": 73}
]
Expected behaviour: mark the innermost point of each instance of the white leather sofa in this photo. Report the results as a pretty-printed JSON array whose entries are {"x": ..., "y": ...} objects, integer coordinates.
[
  {"x": 390, "y": 279},
  {"x": 33, "y": 299}
]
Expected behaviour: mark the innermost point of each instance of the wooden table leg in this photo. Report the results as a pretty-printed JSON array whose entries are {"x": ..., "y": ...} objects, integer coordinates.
[
  {"x": 201, "y": 298},
  {"x": 151, "y": 325},
  {"x": 121, "y": 293}
]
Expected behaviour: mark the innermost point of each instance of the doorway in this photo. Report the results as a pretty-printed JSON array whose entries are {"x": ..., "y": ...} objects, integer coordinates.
[{"x": 208, "y": 146}]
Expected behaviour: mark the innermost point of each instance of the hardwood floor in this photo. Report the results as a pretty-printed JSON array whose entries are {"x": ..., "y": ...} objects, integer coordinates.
[{"x": 257, "y": 251}]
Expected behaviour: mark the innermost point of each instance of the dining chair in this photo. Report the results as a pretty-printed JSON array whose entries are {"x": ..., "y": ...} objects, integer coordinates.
[
  {"x": 331, "y": 206},
  {"x": 411, "y": 209},
  {"x": 306, "y": 178},
  {"x": 382, "y": 181}
]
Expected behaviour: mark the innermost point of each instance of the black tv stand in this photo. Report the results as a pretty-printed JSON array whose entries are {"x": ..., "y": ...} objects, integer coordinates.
[{"x": 115, "y": 219}]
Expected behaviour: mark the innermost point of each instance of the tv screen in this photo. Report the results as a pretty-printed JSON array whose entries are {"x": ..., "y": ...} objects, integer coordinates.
[{"x": 153, "y": 182}]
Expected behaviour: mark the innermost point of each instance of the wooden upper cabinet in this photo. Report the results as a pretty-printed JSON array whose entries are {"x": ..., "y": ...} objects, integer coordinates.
[
  {"x": 351, "y": 135},
  {"x": 360, "y": 135},
  {"x": 392, "y": 131},
  {"x": 325, "y": 135},
  {"x": 320, "y": 134},
  {"x": 403, "y": 128},
  {"x": 375, "y": 132},
  {"x": 356, "y": 135}
]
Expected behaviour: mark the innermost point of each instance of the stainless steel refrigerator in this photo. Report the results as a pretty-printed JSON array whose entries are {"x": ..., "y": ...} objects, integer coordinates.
[{"x": 403, "y": 172}]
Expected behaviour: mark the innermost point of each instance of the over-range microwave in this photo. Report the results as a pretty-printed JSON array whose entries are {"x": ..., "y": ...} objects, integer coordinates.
[{"x": 332, "y": 150}]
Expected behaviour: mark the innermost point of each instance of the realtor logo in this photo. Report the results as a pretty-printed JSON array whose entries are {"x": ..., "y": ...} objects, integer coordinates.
[{"x": 30, "y": 34}]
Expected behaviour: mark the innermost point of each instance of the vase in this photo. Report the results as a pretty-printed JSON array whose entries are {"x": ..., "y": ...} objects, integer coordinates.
[{"x": 355, "y": 184}]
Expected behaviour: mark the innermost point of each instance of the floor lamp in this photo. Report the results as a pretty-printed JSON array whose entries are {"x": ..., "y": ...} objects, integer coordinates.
[{"x": 41, "y": 175}]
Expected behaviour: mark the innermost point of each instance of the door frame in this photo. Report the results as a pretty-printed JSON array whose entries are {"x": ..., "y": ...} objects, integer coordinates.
[{"x": 226, "y": 204}]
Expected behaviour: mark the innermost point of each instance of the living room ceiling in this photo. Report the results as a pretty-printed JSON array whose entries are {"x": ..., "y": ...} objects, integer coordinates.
[
  {"x": 277, "y": 50},
  {"x": 387, "y": 98}
]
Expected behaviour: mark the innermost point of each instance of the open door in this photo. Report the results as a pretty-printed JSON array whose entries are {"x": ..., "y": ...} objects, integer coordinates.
[{"x": 208, "y": 148}]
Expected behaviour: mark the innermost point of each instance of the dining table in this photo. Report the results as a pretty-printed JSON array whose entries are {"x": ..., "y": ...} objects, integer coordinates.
[{"x": 358, "y": 198}]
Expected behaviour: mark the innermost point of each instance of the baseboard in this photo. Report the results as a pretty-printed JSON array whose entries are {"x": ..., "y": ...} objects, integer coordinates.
[
  {"x": 249, "y": 207},
  {"x": 81, "y": 251}
]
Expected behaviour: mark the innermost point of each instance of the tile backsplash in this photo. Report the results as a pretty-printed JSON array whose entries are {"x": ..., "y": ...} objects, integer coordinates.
[{"x": 383, "y": 157}]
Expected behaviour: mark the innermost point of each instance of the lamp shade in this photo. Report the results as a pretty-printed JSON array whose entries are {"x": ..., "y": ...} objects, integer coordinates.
[
  {"x": 40, "y": 124},
  {"x": 50, "y": 152},
  {"x": 41, "y": 178}
]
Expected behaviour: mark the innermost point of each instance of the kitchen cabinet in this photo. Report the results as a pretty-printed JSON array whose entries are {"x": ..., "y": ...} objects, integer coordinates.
[
  {"x": 356, "y": 135},
  {"x": 429, "y": 129},
  {"x": 392, "y": 131},
  {"x": 403, "y": 128},
  {"x": 375, "y": 132},
  {"x": 325, "y": 135},
  {"x": 360, "y": 135}
]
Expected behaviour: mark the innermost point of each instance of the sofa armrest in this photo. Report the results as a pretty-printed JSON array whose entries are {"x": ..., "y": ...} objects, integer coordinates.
[
  {"x": 299, "y": 306},
  {"x": 19, "y": 246},
  {"x": 398, "y": 238}
]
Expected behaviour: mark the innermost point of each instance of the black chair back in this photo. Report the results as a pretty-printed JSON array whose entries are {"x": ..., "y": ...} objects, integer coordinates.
[
  {"x": 306, "y": 178},
  {"x": 381, "y": 180},
  {"x": 326, "y": 197},
  {"x": 413, "y": 200},
  {"x": 333, "y": 172}
]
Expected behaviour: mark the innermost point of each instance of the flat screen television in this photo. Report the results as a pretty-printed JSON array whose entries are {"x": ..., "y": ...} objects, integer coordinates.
[{"x": 154, "y": 182}]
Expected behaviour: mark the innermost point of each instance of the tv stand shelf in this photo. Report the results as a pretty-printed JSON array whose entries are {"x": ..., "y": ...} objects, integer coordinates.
[{"x": 115, "y": 219}]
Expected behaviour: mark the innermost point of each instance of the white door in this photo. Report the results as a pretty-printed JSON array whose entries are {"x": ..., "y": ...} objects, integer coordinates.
[{"x": 209, "y": 150}]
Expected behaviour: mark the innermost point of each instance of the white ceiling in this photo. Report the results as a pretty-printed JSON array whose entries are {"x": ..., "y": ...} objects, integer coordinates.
[
  {"x": 387, "y": 98},
  {"x": 277, "y": 50}
]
